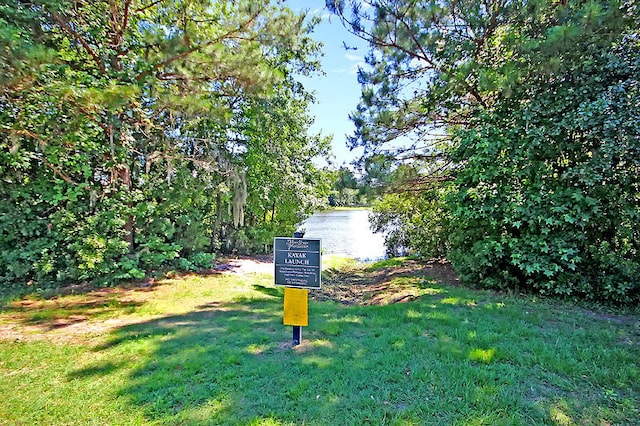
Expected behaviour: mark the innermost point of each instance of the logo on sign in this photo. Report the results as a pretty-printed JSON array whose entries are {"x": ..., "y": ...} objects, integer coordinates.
[{"x": 297, "y": 244}]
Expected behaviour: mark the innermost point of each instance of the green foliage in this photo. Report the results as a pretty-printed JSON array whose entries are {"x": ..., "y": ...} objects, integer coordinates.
[
  {"x": 531, "y": 108},
  {"x": 346, "y": 189},
  {"x": 345, "y": 197},
  {"x": 403, "y": 218},
  {"x": 377, "y": 172},
  {"x": 284, "y": 186},
  {"x": 136, "y": 136},
  {"x": 202, "y": 260},
  {"x": 548, "y": 195}
]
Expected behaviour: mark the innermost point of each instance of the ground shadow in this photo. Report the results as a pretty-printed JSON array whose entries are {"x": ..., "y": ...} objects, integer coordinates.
[
  {"x": 57, "y": 312},
  {"x": 269, "y": 291}
]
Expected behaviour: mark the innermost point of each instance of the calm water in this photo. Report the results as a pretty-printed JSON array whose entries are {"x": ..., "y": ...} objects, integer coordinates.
[{"x": 346, "y": 233}]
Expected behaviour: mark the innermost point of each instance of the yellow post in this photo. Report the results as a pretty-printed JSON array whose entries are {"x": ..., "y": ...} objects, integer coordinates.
[{"x": 296, "y": 306}]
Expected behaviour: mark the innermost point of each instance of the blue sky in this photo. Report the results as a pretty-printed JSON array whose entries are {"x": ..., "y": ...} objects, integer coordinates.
[{"x": 337, "y": 92}]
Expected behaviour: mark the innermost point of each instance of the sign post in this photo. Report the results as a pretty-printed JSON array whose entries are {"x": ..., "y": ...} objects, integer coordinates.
[{"x": 298, "y": 266}]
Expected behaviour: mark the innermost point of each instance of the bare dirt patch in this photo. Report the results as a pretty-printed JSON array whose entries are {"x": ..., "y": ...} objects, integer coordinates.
[
  {"x": 380, "y": 286},
  {"x": 360, "y": 285},
  {"x": 262, "y": 264}
]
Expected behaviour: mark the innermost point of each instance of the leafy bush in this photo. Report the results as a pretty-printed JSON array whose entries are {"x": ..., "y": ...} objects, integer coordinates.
[
  {"x": 202, "y": 260},
  {"x": 548, "y": 193},
  {"x": 404, "y": 217}
]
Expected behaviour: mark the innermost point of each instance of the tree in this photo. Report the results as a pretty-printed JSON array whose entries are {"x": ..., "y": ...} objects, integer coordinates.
[
  {"x": 346, "y": 188},
  {"x": 413, "y": 217},
  {"x": 533, "y": 106},
  {"x": 119, "y": 123},
  {"x": 547, "y": 193},
  {"x": 423, "y": 73},
  {"x": 278, "y": 154}
]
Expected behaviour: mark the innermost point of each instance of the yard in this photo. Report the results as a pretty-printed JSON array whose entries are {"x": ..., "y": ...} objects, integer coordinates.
[{"x": 398, "y": 342}]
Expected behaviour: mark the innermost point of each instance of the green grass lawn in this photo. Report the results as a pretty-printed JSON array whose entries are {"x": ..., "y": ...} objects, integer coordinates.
[{"x": 213, "y": 350}]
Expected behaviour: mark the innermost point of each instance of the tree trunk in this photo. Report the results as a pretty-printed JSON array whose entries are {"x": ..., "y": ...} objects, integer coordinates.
[
  {"x": 124, "y": 176},
  {"x": 217, "y": 230},
  {"x": 273, "y": 211}
]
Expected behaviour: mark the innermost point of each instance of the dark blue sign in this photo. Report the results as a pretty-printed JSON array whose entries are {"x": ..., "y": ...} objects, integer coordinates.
[{"x": 297, "y": 262}]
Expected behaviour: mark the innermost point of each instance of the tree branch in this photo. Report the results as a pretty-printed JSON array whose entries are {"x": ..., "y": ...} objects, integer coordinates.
[
  {"x": 58, "y": 172},
  {"x": 187, "y": 52},
  {"x": 416, "y": 42},
  {"x": 473, "y": 92},
  {"x": 67, "y": 27},
  {"x": 124, "y": 24},
  {"x": 490, "y": 29},
  {"x": 361, "y": 33},
  {"x": 419, "y": 184},
  {"x": 149, "y": 6}
]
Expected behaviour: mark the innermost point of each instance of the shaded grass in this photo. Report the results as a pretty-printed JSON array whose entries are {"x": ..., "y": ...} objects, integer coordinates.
[{"x": 214, "y": 351}]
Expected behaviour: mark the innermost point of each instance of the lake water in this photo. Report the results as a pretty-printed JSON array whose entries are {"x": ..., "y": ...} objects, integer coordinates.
[{"x": 346, "y": 233}]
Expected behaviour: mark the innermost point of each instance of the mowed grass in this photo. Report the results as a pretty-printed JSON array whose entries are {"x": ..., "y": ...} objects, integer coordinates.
[{"x": 213, "y": 350}]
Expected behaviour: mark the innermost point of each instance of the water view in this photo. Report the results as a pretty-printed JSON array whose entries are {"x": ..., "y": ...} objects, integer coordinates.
[{"x": 346, "y": 233}]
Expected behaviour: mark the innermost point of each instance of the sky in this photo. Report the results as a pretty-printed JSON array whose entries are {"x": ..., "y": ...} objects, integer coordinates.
[{"x": 337, "y": 92}]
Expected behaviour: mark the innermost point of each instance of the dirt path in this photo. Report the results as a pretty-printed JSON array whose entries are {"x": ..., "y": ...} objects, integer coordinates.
[{"x": 246, "y": 265}]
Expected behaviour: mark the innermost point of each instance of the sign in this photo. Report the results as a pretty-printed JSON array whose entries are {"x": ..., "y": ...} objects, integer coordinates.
[
  {"x": 297, "y": 262},
  {"x": 296, "y": 306}
]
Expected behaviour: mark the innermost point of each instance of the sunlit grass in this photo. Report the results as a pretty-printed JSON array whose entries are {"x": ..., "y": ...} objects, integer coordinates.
[
  {"x": 213, "y": 350},
  {"x": 386, "y": 263},
  {"x": 334, "y": 261}
]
